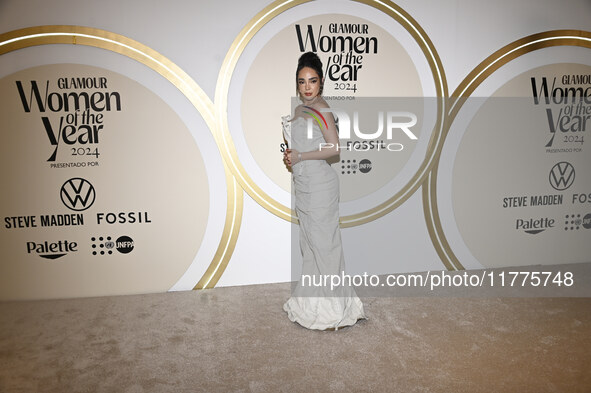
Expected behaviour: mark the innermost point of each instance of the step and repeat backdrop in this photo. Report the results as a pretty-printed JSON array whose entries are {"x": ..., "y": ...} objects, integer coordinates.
[{"x": 136, "y": 159}]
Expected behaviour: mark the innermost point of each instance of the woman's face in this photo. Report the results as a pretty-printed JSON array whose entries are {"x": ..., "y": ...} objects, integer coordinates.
[{"x": 308, "y": 84}]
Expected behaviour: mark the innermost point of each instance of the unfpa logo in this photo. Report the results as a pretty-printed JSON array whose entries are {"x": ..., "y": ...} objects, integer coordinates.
[
  {"x": 349, "y": 167},
  {"x": 104, "y": 245},
  {"x": 365, "y": 166},
  {"x": 574, "y": 222}
]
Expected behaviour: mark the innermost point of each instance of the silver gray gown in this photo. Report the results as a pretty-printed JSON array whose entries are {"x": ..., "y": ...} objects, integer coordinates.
[{"x": 316, "y": 187}]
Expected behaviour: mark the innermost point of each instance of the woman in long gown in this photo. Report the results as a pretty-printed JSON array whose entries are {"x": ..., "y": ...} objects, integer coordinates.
[{"x": 316, "y": 185}]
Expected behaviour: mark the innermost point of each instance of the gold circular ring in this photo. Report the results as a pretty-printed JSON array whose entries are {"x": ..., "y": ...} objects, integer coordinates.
[
  {"x": 229, "y": 150},
  {"x": 79, "y": 35},
  {"x": 465, "y": 89}
]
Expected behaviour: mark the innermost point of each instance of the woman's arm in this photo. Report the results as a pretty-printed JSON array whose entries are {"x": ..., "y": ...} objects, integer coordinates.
[{"x": 324, "y": 152}]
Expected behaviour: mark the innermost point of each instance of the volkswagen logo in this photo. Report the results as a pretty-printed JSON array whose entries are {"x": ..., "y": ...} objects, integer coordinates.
[
  {"x": 77, "y": 194},
  {"x": 562, "y": 176}
]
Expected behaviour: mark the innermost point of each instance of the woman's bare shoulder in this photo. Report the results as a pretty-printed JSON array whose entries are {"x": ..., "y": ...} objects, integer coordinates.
[
  {"x": 298, "y": 110},
  {"x": 321, "y": 104}
]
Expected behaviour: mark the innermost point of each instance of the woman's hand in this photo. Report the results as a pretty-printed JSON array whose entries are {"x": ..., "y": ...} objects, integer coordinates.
[
  {"x": 290, "y": 156},
  {"x": 287, "y": 157}
]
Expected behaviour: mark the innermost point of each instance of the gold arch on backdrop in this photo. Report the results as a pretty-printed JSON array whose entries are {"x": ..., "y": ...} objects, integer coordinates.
[
  {"x": 463, "y": 91},
  {"x": 229, "y": 150},
  {"x": 78, "y": 35}
]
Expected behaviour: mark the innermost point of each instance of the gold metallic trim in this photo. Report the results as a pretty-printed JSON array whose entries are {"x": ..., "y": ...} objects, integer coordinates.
[
  {"x": 79, "y": 35},
  {"x": 221, "y": 108},
  {"x": 463, "y": 91},
  {"x": 229, "y": 151},
  {"x": 230, "y": 236}
]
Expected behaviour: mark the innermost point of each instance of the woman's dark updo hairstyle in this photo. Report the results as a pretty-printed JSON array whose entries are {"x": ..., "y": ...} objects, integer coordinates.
[{"x": 311, "y": 59}]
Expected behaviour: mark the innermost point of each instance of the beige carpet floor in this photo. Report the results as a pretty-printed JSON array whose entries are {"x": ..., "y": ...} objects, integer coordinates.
[{"x": 238, "y": 339}]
